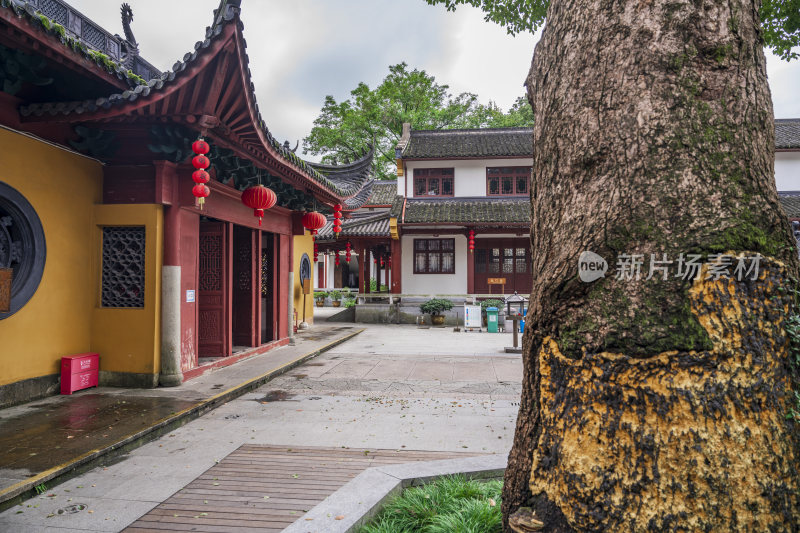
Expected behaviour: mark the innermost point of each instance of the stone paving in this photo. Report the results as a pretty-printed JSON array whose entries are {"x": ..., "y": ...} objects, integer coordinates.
[{"x": 391, "y": 387}]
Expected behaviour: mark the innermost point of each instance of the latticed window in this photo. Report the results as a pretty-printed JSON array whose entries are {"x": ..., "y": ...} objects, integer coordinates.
[
  {"x": 123, "y": 266},
  {"x": 434, "y": 256},
  {"x": 507, "y": 181},
  {"x": 433, "y": 181}
]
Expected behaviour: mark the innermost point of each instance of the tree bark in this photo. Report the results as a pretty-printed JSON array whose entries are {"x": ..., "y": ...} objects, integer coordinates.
[{"x": 655, "y": 404}]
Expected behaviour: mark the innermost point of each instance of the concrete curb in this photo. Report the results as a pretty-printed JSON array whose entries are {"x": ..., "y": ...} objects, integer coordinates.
[
  {"x": 362, "y": 497},
  {"x": 25, "y": 489}
]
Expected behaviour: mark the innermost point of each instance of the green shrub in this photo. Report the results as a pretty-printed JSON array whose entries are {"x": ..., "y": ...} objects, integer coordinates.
[
  {"x": 320, "y": 295},
  {"x": 447, "y": 505},
  {"x": 349, "y": 296},
  {"x": 435, "y": 306},
  {"x": 491, "y": 303},
  {"x": 373, "y": 286},
  {"x": 335, "y": 294},
  {"x": 349, "y": 303}
]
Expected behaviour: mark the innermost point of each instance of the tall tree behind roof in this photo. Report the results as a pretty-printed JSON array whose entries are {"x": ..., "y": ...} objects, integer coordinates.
[{"x": 343, "y": 130}]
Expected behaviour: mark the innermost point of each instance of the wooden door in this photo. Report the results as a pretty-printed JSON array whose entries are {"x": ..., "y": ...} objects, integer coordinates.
[
  {"x": 244, "y": 287},
  {"x": 212, "y": 296},
  {"x": 502, "y": 258}
]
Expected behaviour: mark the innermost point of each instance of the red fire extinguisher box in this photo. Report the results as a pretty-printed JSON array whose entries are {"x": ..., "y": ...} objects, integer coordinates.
[{"x": 79, "y": 372}]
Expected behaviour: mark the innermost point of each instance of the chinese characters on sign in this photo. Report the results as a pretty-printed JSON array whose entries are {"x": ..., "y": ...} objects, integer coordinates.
[{"x": 688, "y": 267}]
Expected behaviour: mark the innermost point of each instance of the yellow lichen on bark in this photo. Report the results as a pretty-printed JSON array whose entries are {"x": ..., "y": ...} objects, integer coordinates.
[{"x": 654, "y": 443}]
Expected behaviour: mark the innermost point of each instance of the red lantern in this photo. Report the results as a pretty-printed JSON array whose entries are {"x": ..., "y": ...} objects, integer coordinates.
[
  {"x": 201, "y": 192},
  {"x": 258, "y": 198},
  {"x": 347, "y": 257},
  {"x": 337, "y": 214},
  {"x": 337, "y": 259},
  {"x": 347, "y": 246},
  {"x": 200, "y": 162},
  {"x": 200, "y": 176},
  {"x": 471, "y": 240},
  {"x": 313, "y": 221},
  {"x": 337, "y": 229},
  {"x": 200, "y": 147}
]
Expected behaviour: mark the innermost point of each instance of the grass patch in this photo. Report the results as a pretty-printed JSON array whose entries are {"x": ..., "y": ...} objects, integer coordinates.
[{"x": 450, "y": 504}]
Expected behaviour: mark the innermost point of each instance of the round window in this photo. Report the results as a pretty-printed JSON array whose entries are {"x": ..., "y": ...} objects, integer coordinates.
[{"x": 22, "y": 251}]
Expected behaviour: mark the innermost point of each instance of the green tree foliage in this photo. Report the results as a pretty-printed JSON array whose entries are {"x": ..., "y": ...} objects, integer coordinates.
[
  {"x": 780, "y": 19},
  {"x": 343, "y": 130}
]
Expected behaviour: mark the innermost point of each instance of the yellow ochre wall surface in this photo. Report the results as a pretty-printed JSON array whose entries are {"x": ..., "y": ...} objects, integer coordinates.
[
  {"x": 62, "y": 188},
  {"x": 303, "y": 244},
  {"x": 129, "y": 339}
]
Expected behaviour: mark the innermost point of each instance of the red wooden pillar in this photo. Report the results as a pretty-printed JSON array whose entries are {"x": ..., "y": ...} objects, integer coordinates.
[
  {"x": 470, "y": 270},
  {"x": 257, "y": 282},
  {"x": 396, "y": 286},
  {"x": 229, "y": 288}
]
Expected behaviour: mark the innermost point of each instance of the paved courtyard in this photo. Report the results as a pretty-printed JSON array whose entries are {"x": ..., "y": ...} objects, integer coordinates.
[{"x": 392, "y": 387}]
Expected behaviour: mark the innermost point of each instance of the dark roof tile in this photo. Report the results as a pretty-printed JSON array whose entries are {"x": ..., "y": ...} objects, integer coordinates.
[
  {"x": 787, "y": 133},
  {"x": 791, "y": 203},
  {"x": 488, "y": 142},
  {"x": 468, "y": 211},
  {"x": 383, "y": 193}
]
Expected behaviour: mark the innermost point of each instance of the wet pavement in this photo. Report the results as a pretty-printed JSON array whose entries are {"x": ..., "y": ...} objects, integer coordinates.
[
  {"x": 389, "y": 387},
  {"x": 48, "y": 437},
  {"x": 47, "y": 434}
]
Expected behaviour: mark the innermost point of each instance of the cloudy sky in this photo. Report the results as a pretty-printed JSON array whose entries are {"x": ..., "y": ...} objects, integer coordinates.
[{"x": 302, "y": 50}]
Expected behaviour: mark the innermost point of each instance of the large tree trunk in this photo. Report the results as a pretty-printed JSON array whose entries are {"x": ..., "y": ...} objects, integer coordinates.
[{"x": 655, "y": 404}]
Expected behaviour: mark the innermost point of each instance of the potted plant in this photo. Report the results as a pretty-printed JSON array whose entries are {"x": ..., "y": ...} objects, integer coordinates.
[
  {"x": 336, "y": 297},
  {"x": 319, "y": 297},
  {"x": 435, "y": 307}
]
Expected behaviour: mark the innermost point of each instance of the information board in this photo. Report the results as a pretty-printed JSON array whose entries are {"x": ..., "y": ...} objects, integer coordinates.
[{"x": 472, "y": 316}]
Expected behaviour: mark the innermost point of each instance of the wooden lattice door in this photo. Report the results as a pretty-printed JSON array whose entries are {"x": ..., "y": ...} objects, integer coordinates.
[{"x": 212, "y": 335}]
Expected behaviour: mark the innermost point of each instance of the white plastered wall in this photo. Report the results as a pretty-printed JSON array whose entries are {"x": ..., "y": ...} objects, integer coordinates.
[
  {"x": 787, "y": 171},
  {"x": 425, "y": 284},
  {"x": 469, "y": 174}
]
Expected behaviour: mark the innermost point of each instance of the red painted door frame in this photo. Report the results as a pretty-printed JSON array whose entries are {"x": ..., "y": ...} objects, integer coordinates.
[{"x": 213, "y": 291}]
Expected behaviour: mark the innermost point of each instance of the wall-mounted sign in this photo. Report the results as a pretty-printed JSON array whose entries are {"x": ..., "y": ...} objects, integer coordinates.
[{"x": 189, "y": 297}]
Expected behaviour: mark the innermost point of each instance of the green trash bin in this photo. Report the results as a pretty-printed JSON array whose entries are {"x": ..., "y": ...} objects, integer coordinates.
[{"x": 491, "y": 319}]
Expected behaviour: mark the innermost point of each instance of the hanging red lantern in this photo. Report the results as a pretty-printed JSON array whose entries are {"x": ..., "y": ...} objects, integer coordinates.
[
  {"x": 201, "y": 192},
  {"x": 347, "y": 257},
  {"x": 201, "y": 162},
  {"x": 258, "y": 198},
  {"x": 200, "y": 147},
  {"x": 313, "y": 221},
  {"x": 200, "y": 176},
  {"x": 337, "y": 259},
  {"x": 471, "y": 240},
  {"x": 347, "y": 246}
]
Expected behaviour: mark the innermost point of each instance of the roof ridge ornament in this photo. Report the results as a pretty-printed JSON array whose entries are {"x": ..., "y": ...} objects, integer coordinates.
[{"x": 129, "y": 43}]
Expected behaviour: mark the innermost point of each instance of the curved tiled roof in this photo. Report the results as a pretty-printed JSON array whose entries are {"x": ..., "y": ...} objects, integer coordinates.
[
  {"x": 479, "y": 210},
  {"x": 383, "y": 193},
  {"x": 361, "y": 225},
  {"x": 343, "y": 182},
  {"x": 59, "y": 29},
  {"x": 787, "y": 133},
  {"x": 487, "y": 142}
]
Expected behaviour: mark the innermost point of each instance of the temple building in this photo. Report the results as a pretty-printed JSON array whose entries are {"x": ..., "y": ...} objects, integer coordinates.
[{"x": 105, "y": 243}]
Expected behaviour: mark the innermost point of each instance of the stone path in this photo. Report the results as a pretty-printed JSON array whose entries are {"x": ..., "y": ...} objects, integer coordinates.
[{"x": 390, "y": 387}]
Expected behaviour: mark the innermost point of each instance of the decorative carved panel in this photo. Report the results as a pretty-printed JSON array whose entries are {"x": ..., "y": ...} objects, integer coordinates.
[
  {"x": 22, "y": 250},
  {"x": 123, "y": 266},
  {"x": 211, "y": 262}
]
